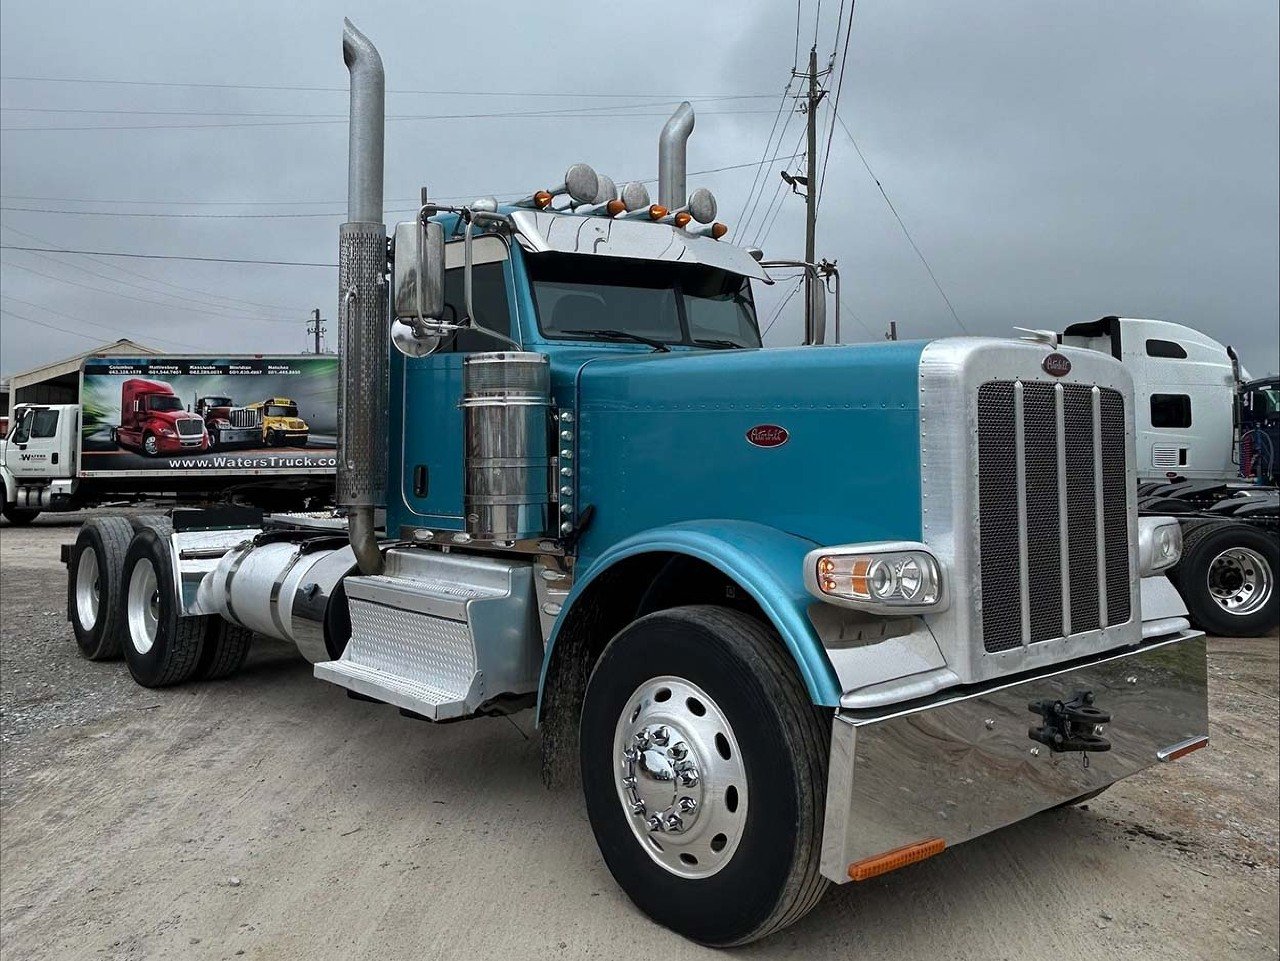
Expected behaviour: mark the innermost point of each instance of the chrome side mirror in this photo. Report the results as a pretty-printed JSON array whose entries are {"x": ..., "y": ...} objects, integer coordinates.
[{"x": 418, "y": 271}]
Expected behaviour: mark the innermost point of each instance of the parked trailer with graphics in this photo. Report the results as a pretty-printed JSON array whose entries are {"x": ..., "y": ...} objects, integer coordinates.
[
  {"x": 794, "y": 616},
  {"x": 133, "y": 437}
]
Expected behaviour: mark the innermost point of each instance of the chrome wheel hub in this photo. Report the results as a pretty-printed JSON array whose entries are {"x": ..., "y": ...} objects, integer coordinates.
[
  {"x": 143, "y": 606},
  {"x": 88, "y": 589},
  {"x": 680, "y": 777},
  {"x": 1240, "y": 580}
]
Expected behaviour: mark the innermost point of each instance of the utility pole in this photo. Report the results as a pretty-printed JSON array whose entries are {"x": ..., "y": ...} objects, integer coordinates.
[
  {"x": 316, "y": 327},
  {"x": 811, "y": 193}
]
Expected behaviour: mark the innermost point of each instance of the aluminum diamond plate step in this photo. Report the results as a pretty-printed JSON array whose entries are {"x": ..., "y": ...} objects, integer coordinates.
[{"x": 432, "y": 702}]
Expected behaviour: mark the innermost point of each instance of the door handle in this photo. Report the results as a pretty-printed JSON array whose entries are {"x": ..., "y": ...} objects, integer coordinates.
[{"x": 420, "y": 480}]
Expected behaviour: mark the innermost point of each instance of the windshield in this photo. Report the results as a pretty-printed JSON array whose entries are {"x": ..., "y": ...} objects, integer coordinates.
[
  {"x": 671, "y": 303},
  {"x": 282, "y": 410},
  {"x": 216, "y": 401},
  {"x": 162, "y": 402}
]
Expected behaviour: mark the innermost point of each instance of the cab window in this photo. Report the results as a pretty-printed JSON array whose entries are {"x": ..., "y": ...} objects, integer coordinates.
[
  {"x": 1170, "y": 410},
  {"x": 488, "y": 295},
  {"x": 44, "y": 423}
]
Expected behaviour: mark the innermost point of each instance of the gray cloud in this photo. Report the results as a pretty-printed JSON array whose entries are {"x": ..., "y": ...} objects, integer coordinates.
[{"x": 1055, "y": 163}]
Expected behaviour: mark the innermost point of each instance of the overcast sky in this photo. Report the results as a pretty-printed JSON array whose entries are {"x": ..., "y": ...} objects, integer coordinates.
[{"x": 1054, "y": 162}]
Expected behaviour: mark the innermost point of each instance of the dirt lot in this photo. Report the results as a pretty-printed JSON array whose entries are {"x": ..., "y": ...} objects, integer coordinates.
[{"x": 270, "y": 817}]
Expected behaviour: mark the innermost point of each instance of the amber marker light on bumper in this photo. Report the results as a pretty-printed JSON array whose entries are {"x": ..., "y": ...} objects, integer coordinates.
[
  {"x": 886, "y": 577},
  {"x": 897, "y": 858}
]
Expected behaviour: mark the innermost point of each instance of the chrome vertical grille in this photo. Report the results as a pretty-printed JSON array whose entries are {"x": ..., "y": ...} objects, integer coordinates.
[{"x": 1052, "y": 503}]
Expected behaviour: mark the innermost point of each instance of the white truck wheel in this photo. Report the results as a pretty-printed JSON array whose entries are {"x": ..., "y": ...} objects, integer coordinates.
[{"x": 94, "y": 599}]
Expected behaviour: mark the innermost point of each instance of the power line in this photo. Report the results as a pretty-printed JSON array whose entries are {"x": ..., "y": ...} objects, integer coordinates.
[
  {"x": 768, "y": 144},
  {"x": 138, "y": 256},
  {"x": 835, "y": 102},
  {"x": 511, "y": 115},
  {"x": 905, "y": 232},
  {"x": 272, "y": 216},
  {"x": 778, "y": 313},
  {"x": 43, "y": 323},
  {"x": 234, "y": 303},
  {"x": 303, "y": 87},
  {"x": 90, "y": 323}
]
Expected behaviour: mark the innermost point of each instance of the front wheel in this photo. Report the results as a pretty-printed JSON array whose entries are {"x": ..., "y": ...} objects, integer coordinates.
[
  {"x": 704, "y": 769},
  {"x": 150, "y": 445},
  {"x": 1227, "y": 577},
  {"x": 18, "y": 516}
]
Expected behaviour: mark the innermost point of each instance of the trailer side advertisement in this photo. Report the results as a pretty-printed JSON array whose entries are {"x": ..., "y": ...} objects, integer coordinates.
[{"x": 193, "y": 415}]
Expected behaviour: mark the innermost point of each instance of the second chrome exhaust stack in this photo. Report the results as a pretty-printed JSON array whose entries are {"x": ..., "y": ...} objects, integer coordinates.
[
  {"x": 363, "y": 327},
  {"x": 672, "y": 146}
]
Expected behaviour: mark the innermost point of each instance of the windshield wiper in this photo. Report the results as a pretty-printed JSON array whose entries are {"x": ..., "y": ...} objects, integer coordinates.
[
  {"x": 722, "y": 344},
  {"x": 626, "y": 335}
]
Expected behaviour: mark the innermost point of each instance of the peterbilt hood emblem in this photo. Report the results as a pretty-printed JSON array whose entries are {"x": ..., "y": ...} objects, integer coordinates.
[
  {"x": 767, "y": 435},
  {"x": 1056, "y": 365}
]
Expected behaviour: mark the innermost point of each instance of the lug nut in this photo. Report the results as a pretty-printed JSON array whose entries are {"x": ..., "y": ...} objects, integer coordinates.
[
  {"x": 679, "y": 750},
  {"x": 654, "y": 823},
  {"x": 661, "y": 735},
  {"x": 674, "y": 822},
  {"x": 637, "y": 807},
  {"x": 689, "y": 778},
  {"x": 688, "y": 805}
]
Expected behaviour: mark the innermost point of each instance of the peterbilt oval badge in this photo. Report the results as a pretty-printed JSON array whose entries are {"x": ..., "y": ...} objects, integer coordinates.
[
  {"x": 1056, "y": 365},
  {"x": 767, "y": 435}
]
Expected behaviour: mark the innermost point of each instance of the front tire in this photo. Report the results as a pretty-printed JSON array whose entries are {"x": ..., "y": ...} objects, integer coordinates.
[
  {"x": 19, "y": 516},
  {"x": 150, "y": 445},
  {"x": 94, "y": 596},
  {"x": 160, "y": 647},
  {"x": 1227, "y": 577},
  {"x": 704, "y": 765}
]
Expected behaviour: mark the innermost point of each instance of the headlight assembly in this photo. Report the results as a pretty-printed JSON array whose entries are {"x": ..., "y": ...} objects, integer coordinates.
[{"x": 887, "y": 577}]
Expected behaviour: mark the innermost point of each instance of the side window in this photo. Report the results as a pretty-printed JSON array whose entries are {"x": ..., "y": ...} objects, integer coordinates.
[
  {"x": 1166, "y": 348},
  {"x": 22, "y": 433},
  {"x": 44, "y": 423},
  {"x": 488, "y": 295},
  {"x": 1170, "y": 410}
]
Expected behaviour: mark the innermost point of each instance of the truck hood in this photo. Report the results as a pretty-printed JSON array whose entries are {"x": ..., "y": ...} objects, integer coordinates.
[
  {"x": 172, "y": 416},
  {"x": 822, "y": 442}
]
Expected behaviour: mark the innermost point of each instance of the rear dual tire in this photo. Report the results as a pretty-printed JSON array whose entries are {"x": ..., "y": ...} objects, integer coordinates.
[
  {"x": 94, "y": 574},
  {"x": 710, "y": 691}
]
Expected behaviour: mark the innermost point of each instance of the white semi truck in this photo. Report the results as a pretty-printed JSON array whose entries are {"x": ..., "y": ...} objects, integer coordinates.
[
  {"x": 1208, "y": 451},
  {"x": 793, "y": 617}
]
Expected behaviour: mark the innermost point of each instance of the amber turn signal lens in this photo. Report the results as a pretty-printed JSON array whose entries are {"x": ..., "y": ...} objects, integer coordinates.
[
  {"x": 657, "y": 212},
  {"x": 718, "y": 230},
  {"x": 615, "y": 207},
  {"x": 897, "y": 858},
  {"x": 543, "y": 199},
  {"x": 683, "y": 218}
]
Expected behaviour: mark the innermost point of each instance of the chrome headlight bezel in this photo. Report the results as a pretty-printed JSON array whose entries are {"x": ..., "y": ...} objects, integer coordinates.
[
  {"x": 831, "y": 574},
  {"x": 1159, "y": 544}
]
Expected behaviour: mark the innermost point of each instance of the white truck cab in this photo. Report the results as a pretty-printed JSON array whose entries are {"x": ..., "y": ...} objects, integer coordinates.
[
  {"x": 38, "y": 458},
  {"x": 1184, "y": 385}
]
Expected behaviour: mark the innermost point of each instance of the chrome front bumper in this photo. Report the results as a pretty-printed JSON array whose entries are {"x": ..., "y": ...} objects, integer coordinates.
[{"x": 956, "y": 767}]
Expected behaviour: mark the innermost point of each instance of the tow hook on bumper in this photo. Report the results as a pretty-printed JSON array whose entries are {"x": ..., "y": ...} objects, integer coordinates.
[{"x": 1074, "y": 725}]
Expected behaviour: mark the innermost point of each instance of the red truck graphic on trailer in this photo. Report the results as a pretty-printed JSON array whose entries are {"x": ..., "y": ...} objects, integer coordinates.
[{"x": 152, "y": 420}]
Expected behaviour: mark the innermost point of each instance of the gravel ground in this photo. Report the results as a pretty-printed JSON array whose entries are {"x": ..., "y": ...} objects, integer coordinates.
[{"x": 271, "y": 817}]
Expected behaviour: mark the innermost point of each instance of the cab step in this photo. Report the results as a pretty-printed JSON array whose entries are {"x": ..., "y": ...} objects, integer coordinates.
[{"x": 440, "y": 635}]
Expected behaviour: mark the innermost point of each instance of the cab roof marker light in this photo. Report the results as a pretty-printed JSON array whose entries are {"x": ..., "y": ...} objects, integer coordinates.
[{"x": 715, "y": 231}]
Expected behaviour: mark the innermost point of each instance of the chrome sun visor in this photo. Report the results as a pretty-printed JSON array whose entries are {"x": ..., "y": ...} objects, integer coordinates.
[{"x": 540, "y": 231}]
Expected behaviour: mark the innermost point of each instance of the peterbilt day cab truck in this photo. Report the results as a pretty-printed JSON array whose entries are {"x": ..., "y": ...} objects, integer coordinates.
[
  {"x": 1208, "y": 450},
  {"x": 793, "y": 616}
]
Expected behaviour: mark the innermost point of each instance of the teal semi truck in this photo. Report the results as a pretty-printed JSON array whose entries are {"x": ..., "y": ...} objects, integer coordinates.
[{"x": 791, "y": 616}]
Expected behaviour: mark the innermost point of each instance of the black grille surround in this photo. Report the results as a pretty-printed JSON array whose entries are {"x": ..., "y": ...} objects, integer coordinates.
[{"x": 1045, "y": 449}]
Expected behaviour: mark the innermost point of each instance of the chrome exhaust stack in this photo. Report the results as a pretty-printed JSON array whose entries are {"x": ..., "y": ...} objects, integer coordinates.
[
  {"x": 363, "y": 327},
  {"x": 671, "y": 157}
]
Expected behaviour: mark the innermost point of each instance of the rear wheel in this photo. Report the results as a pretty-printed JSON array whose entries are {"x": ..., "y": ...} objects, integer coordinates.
[
  {"x": 94, "y": 600},
  {"x": 161, "y": 648},
  {"x": 704, "y": 769},
  {"x": 1227, "y": 577},
  {"x": 226, "y": 647}
]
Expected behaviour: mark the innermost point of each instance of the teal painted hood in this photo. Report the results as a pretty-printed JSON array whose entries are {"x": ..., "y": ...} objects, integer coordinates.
[{"x": 663, "y": 438}]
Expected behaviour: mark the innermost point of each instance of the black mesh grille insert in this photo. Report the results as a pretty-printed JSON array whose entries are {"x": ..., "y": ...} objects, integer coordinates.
[
  {"x": 998, "y": 509},
  {"x": 1114, "y": 526},
  {"x": 999, "y": 527},
  {"x": 1082, "y": 531},
  {"x": 1044, "y": 557}
]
